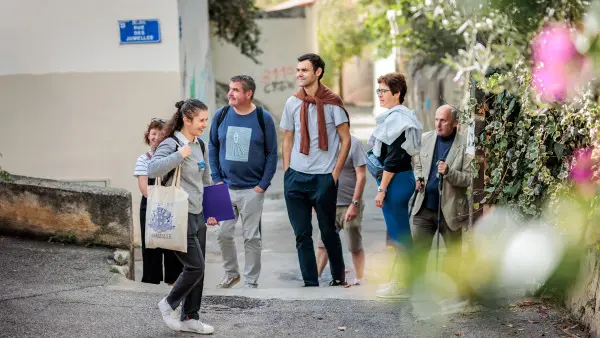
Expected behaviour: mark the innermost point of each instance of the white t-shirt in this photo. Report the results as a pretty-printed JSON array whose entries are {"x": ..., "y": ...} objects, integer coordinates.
[
  {"x": 141, "y": 165},
  {"x": 317, "y": 161}
]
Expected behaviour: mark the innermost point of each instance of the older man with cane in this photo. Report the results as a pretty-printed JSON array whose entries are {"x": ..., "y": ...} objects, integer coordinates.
[{"x": 443, "y": 172}]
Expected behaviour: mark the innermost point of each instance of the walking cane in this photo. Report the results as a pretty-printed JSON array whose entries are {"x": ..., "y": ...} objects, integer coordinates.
[{"x": 439, "y": 220}]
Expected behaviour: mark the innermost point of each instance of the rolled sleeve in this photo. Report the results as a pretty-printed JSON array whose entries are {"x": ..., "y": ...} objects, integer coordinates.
[
  {"x": 339, "y": 115},
  {"x": 287, "y": 117}
]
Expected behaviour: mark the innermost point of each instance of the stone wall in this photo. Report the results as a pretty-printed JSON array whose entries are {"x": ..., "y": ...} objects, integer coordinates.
[
  {"x": 76, "y": 213},
  {"x": 582, "y": 299}
]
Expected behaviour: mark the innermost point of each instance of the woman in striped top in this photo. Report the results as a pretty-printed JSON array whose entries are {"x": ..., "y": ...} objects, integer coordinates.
[{"x": 153, "y": 258}]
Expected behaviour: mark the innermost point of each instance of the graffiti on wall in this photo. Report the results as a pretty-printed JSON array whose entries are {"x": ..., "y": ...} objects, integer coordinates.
[
  {"x": 278, "y": 79},
  {"x": 197, "y": 78}
]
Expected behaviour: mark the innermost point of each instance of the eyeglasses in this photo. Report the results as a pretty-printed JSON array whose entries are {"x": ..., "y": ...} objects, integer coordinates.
[
  {"x": 158, "y": 119},
  {"x": 382, "y": 91}
]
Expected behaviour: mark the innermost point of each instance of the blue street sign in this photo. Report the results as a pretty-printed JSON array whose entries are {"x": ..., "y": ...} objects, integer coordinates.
[{"x": 139, "y": 31}]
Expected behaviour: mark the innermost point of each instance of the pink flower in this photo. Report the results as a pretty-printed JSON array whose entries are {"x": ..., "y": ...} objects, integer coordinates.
[
  {"x": 582, "y": 169},
  {"x": 557, "y": 64}
]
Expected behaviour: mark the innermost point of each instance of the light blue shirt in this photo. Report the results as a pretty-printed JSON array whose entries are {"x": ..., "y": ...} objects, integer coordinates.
[{"x": 317, "y": 161}]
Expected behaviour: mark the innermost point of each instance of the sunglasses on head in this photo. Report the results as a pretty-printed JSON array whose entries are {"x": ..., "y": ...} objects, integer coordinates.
[{"x": 158, "y": 119}]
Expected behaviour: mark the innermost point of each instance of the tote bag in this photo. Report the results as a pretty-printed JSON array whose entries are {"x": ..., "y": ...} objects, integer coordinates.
[{"x": 167, "y": 215}]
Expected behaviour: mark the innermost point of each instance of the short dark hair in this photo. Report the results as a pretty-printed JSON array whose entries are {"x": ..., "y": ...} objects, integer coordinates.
[
  {"x": 316, "y": 60},
  {"x": 396, "y": 82},
  {"x": 154, "y": 124},
  {"x": 247, "y": 82}
]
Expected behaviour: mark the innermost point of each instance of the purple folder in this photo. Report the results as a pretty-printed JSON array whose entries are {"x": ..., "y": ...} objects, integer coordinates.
[{"x": 217, "y": 203}]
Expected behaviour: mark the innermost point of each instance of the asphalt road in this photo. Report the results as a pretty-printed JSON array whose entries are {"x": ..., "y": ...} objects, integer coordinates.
[{"x": 56, "y": 290}]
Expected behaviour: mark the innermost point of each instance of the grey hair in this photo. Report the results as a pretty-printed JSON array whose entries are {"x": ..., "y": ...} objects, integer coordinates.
[{"x": 454, "y": 112}]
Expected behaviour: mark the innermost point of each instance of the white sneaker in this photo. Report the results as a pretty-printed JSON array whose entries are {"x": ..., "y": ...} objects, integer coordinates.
[
  {"x": 384, "y": 286},
  {"x": 196, "y": 326},
  {"x": 394, "y": 291},
  {"x": 455, "y": 305},
  {"x": 228, "y": 282},
  {"x": 387, "y": 285},
  {"x": 169, "y": 315}
]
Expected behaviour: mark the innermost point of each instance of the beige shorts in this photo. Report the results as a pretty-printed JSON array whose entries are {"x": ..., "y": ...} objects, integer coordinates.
[{"x": 353, "y": 228}]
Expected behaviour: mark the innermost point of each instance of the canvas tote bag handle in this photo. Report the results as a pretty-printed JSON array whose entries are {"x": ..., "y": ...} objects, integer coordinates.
[{"x": 177, "y": 178}]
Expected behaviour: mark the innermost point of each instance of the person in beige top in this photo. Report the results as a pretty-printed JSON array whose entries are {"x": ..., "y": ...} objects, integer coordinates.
[{"x": 442, "y": 156}]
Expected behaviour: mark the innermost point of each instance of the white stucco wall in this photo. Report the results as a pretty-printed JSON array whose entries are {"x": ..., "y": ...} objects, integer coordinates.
[
  {"x": 74, "y": 103},
  {"x": 282, "y": 41},
  {"x": 41, "y": 36}
]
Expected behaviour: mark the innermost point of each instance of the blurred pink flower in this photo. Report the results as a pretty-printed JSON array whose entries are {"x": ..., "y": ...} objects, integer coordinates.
[
  {"x": 557, "y": 64},
  {"x": 582, "y": 169}
]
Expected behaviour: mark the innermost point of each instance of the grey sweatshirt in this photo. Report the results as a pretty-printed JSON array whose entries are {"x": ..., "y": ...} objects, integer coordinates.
[{"x": 193, "y": 178}]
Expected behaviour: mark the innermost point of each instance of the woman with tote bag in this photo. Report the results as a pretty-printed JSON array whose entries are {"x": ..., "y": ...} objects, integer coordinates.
[
  {"x": 153, "y": 258},
  {"x": 182, "y": 152}
]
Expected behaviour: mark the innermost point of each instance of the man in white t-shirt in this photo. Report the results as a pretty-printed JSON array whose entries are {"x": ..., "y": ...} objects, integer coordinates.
[{"x": 315, "y": 147}]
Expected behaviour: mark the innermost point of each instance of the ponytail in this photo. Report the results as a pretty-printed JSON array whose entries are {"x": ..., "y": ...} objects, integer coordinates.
[{"x": 188, "y": 108}]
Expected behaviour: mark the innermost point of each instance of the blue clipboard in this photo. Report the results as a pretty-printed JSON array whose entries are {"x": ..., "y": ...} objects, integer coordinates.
[{"x": 216, "y": 203}]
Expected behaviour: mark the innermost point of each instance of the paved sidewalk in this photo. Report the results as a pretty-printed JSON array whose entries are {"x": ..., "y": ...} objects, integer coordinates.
[{"x": 55, "y": 290}]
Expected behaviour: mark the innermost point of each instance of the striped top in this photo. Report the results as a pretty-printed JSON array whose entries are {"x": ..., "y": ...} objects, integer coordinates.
[{"x": 141, "y": 165}]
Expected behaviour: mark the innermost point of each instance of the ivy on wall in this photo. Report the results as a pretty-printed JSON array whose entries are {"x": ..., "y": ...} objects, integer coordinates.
[
  {"x": 528, "y": 149},
  {"x": 528, "y": 144}
]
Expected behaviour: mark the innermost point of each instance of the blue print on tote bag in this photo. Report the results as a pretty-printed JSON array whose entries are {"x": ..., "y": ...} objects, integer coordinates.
[{"x": 162, "y": 220}]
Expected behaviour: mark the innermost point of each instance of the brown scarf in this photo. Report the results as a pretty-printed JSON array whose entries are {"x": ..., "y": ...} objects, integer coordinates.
[{"x": 323, "y": 96}]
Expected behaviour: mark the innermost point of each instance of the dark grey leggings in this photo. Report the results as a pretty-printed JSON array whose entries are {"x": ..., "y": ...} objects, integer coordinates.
[{"x": 190, "y": 283}]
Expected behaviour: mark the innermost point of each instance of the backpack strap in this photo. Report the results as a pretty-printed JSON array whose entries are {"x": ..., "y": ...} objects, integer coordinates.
[
  {"x": 222, "y": 115},
  {"x": 261, "y": 118},
  {"x": 177, "y": 143},
  {"x": 260, "y": 115},
  {"x": 202, "y": 146}
]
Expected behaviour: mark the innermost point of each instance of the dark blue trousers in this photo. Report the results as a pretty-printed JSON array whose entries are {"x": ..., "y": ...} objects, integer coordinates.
[{"x": 303, "y": 192}]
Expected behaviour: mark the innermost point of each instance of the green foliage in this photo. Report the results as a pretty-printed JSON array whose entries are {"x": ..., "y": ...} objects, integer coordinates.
[
  {"x": 430, "y": 29},
  {"x": 527, "y": 148},
  {"x": 526, "y": 15},
  {"x": 376, "y": 25},
  {"x": 234, "y": 22},
  {"x": 339, "y": 35},
  {"x": 527, "y": 143}
]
